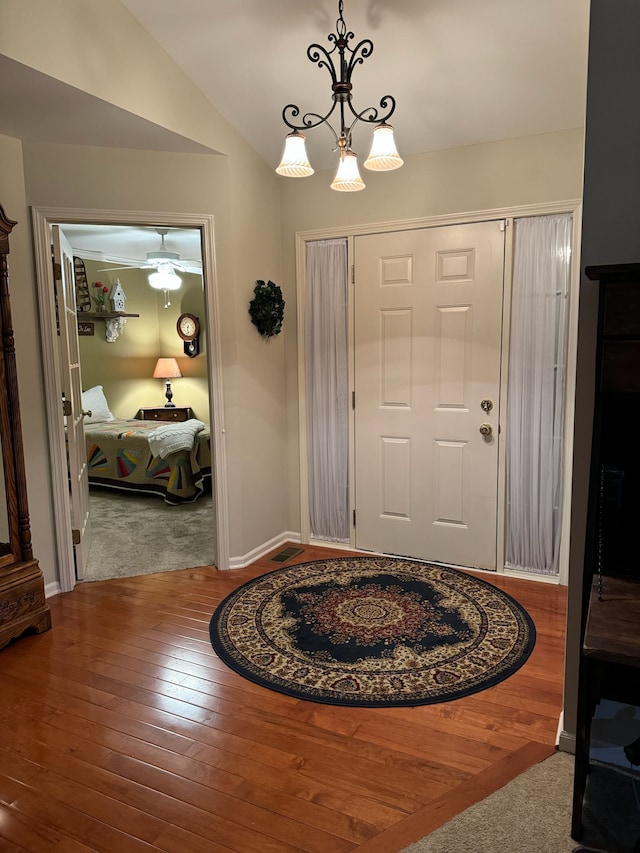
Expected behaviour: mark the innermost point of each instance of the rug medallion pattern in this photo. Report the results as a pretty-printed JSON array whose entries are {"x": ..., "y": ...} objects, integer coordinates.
[{"x": 372, "y": 631}]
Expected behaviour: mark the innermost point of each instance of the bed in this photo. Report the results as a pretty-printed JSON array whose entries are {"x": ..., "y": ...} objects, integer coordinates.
[{"x": 119, "y": 456}]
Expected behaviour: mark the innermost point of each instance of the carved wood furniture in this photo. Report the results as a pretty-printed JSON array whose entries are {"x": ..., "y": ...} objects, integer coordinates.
[{"x": 23, "y": 608}]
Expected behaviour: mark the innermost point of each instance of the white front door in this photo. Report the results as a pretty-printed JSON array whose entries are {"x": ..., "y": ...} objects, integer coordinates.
[
  {"x": 428, "y": 309},
  {"x": 72, "y": 393}
]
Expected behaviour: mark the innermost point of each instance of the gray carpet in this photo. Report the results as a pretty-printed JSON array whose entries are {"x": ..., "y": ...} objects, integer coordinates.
[
  {"x": 532, "y": 814},
  {"x": 140, "y": 534}
]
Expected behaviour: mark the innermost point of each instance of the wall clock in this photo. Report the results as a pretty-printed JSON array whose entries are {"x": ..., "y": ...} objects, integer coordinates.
[{"x": 189, "y": 330}]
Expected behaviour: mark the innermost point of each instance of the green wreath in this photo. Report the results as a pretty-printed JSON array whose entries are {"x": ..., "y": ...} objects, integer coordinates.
[{"x": 267, "y": 308}]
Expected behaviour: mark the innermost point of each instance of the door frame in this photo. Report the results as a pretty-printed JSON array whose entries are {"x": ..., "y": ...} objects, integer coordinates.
[
  {"x": 42, "y": 218},
  {"x": 509, "y": 214}
]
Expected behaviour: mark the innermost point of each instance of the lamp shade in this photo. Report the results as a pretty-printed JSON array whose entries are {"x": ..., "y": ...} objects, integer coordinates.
[
  {"x": 165, "y": 278},
  {"x": 167, "y": 368},
  {"x": 294, "y": 163},
  {"x": 383, "y": 155},
  {"x": 347, "y": 179}
]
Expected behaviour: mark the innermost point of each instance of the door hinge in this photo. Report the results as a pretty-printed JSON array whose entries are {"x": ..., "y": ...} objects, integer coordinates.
[
  {"x": 354, "y": 518},
  {"x": 353, "y": 273},
  {"x": 57, "y": 271},
  {"x": 353, "y": 399},
  {"x": 66, "y": 408},
  {"x": 75, "y": 537}
]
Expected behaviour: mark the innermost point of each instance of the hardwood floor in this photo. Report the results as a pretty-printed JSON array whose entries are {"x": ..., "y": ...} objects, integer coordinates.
[{"x": 122, "y": 731}]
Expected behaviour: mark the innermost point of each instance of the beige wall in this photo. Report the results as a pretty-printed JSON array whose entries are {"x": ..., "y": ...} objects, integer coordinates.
[
  {"x": 529, "y": 170},
  {"x": 510, "y": 173},
  {"x": 125, "y": 367},
  {"x": 123, "y": 66},
  {"x": 119, "y": 179}
]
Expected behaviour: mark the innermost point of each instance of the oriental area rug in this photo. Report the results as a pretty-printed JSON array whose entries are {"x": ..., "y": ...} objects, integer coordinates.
[{"x": 372, "y": 632}]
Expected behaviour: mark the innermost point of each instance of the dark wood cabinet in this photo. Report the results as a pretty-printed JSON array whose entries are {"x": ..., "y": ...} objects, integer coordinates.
[
  {"x": 610, "y": 642},
  {"x": 614, "y": 523},
  {"x": 22, "y": 601}
]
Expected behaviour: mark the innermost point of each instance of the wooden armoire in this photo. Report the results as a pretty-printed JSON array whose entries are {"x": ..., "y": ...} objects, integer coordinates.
[{"x": 23, "y": 608}]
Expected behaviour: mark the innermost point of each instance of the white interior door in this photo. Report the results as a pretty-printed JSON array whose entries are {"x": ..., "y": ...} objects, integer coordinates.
[
  {"x": 72, "y": 393},
  {"x": 428, "y": 309}
]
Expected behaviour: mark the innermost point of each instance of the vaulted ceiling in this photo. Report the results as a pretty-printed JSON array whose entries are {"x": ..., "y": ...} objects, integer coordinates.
[{"x": 462, "y": 72}]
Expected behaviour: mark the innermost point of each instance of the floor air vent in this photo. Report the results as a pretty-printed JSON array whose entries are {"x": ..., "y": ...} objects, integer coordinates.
[{"x": 286, "y": 554}]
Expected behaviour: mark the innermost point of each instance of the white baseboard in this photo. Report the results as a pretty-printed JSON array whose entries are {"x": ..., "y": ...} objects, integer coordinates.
[
  {"x": 565, "y": 741},
  {"x": 259, "y": 552},
  {"x": 531, "y": 576},
  {"x": 52, "y": 589}
]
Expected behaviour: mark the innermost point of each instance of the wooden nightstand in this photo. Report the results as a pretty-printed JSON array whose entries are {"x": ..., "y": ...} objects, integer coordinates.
[{"x": 165, "y": 413}]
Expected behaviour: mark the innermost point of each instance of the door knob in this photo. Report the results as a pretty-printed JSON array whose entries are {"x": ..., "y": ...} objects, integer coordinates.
[
  {"x": 87, "y": 414},
  {"x": 486, "y": 429}
]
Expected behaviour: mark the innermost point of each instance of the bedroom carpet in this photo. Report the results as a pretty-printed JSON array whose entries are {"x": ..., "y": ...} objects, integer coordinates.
[{"x": 139, "y": 535}]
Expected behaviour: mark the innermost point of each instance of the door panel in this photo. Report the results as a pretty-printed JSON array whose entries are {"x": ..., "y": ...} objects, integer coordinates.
[
  {"x": 428, "y": 308},
  {"x": 72, "y": 392}
]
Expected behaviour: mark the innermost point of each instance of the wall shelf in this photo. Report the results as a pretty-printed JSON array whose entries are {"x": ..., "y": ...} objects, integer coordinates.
[
  {"x": 103, "y": 315},
  {"x": 113, "y": 323}
]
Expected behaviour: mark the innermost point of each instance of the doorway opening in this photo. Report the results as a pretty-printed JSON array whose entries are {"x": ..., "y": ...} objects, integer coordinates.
[
  {"x": 143, "y": 519},
  {"x": 124, "y": 368}
]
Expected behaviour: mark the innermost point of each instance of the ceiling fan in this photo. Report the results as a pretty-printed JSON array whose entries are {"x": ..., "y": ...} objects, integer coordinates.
[{"x": 162, "y": 258}]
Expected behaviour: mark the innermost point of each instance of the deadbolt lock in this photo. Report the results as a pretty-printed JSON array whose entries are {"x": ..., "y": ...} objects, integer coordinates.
[
  {"x": 486, "y": 429},
  {"x": 486, "y": 405}
]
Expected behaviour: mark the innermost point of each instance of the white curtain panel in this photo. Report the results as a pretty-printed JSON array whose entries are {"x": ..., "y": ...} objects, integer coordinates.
[
  {"x": 327, "y": 389},
  {"x": 537, "y": 375}
]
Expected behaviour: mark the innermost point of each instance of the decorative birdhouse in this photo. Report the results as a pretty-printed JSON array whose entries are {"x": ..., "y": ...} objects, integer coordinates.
[{"x": 117, "y": 297}]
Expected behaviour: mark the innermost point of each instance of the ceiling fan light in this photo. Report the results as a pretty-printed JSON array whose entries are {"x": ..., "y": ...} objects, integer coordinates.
[
  {"x": 165, "y": 278},
  {"x": 383, "y": 155},
  {"x": 347, "y": 179},
  {"x": 294, "y": 163},
  {"x": 154, "y": 257}
]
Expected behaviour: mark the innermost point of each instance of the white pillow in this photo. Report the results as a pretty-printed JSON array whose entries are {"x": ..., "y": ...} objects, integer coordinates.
[{"x": 95, "y": 402}]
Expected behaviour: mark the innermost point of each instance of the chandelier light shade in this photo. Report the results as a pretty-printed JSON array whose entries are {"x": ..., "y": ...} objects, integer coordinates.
[
  {"x": 167, "y": 369},
  {"x": 295, "y": 163},
  {"x": 383, "y": 155},
  {"x": 347, "y": 177},
  {"x": 340, "y": 61}
]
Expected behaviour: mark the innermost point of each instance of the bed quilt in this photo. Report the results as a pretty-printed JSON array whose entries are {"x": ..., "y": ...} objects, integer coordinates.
[{"x": 119, "y": 456}]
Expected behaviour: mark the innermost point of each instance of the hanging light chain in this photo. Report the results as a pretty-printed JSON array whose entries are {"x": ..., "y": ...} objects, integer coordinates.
[{"x": 341, "y": 85}]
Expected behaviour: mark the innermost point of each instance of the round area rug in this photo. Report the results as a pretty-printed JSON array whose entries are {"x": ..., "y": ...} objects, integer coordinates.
[{"x": 372, "y": 631}]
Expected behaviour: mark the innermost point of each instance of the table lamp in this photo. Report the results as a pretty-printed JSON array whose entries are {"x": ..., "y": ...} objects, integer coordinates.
[{"x": 167, "y": 369}]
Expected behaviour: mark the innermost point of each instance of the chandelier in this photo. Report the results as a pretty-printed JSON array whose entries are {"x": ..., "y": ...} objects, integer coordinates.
[{"x": 383, "y": 155}]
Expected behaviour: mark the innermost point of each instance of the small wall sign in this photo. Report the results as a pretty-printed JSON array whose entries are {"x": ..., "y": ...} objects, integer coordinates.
[{"x": 86, "y": 329}]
